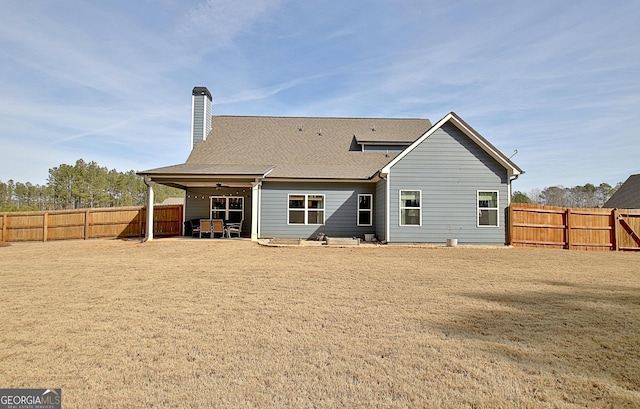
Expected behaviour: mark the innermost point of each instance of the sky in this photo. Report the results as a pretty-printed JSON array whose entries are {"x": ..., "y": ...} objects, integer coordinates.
[{"x": 556, "y": 84}]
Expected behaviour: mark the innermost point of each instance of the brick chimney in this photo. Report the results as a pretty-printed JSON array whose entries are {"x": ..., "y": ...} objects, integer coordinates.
[{"x": 200, "y": 114}]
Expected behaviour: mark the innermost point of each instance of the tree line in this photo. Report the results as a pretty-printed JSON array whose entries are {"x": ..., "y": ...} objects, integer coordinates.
[
  {"x": 588, "y": 195},
  {"x": 88, "y": 185},
  {"x": 79, "y": 186}
]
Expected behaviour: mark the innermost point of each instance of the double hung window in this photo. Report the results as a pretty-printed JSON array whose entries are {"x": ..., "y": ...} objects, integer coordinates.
[
  {"x": 410, "y": 208},
  {"x": 306, "y": 209},
  {"x": 228, "y": 208},
  {"x": 487, "y": 208},
  {"x": 365, "y": 210}
]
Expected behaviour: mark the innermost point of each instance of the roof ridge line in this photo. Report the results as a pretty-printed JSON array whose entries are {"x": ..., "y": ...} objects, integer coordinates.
[{"x": 320, "y": 117}]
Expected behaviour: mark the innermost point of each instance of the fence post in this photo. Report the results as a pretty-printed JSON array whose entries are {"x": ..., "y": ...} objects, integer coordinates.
[
  {"x": 4, "y": 226},
  {"x": 87, "y": 214},
  {"x": 616, "y": 230},
  {"x": 142, "y": 216},
  {"x": 568, "y": 227},
  {"x": 45, "y": 226},
  {"x": 510, "y": 229}
]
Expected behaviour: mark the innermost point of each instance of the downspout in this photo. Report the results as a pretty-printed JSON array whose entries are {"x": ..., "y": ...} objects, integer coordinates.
[
  {"x": 511, "y": 180},
  {"x": 509, "y": 213},
  {"x": 387, "y": 235},
  {"x": 150, "y": 198}
]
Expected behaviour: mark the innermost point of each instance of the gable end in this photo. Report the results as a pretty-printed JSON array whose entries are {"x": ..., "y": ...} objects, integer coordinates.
[{"x": 453, "y": 118}]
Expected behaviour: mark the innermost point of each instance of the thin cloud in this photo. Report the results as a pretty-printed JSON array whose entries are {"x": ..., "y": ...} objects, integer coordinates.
[{"x": 216, "y": 23}]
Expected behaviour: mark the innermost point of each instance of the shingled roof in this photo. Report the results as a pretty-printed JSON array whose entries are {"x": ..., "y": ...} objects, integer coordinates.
[
  {"x": 627, "y": 196},
  {"x": 298, "y": 147}
]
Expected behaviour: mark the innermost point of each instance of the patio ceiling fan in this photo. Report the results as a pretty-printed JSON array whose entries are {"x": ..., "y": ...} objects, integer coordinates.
[{"x": 220, "y": 186}]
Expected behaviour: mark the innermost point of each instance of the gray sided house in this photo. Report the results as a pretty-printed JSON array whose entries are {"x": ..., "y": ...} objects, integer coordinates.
[{"x": 403, "y": 180}]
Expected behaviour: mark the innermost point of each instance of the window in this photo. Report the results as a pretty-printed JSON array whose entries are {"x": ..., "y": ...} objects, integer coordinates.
[
  {"x": 365, "y": 210},
  {"x": 229, "y": 208},
  {"x": 315, "y": 209},
  {"x": 410, "y": 210},
  {"x": 235, "y": 209},
  {"x": 218, "y": 207},
  {"x": 487, "y": 208},
  {"x": 306, "y": 209}
]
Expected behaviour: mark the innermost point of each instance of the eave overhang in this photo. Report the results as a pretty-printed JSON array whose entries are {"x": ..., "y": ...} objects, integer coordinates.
[{"x": 189, "y": 175}]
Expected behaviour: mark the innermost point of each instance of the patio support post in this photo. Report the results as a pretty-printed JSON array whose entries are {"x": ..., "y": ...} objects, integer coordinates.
[
  {"x": 255, "y": 206},
  {"x": 150, "y": 193}
]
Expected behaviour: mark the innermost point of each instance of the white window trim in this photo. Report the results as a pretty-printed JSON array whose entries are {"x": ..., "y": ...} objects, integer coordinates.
[
  {"x": 306, "y": 209},
  {"x": 400, "y": 207},
  {"x": 478, "y": 208}
]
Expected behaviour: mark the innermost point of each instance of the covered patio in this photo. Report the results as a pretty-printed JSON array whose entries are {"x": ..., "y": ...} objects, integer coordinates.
[{"x": 230, "y": 193}]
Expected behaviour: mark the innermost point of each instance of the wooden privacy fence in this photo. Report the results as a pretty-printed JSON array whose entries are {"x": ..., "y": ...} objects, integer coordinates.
[
  {"x": 89, "y": 223},
  {"x": 574, "y": 228}
]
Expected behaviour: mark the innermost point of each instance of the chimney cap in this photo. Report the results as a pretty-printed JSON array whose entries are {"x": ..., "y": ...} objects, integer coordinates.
[{"x": 201, "y": 91}]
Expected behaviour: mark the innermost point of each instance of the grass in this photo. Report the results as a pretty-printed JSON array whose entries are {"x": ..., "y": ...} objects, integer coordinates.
[{"x": 211, "y": 323}]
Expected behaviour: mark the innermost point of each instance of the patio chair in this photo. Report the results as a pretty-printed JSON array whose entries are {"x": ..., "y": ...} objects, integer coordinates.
[
  {"x": 234, "y": 228},
  {"x": 205, "y": 227},
  {"x": 192, "y": 227},
  {"x": 217, "y": 228}
]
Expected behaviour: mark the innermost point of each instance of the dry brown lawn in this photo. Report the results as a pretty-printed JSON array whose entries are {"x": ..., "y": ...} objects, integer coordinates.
[{"x": 214, "y": 323}]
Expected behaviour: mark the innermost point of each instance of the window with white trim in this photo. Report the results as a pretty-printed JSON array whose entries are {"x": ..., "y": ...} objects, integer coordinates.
[
  {"x": 365, "y": 209},
  {"x": 228, "y": 208},
  {"x": 306, "y": 209},
  {"x": 410, "y": 208},
  {"x": 488, "y": 208}
]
